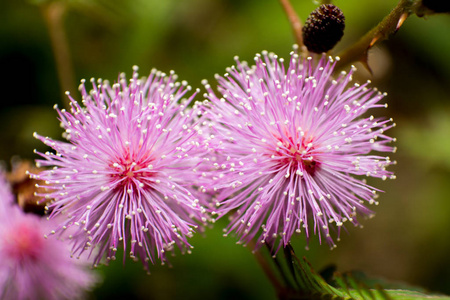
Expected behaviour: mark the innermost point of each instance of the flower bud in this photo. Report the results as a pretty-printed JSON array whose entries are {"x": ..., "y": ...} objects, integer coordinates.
[{"x": 323, "y": 28}]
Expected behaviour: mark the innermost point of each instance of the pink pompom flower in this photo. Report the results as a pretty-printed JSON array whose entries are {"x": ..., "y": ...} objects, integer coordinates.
[
  {"x": 32, "y": 267},
  {"x": 127, "y": 176},
  {"x": 294, "y": 144}
]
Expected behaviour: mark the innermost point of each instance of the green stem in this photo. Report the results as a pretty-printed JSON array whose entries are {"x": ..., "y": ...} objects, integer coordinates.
[
  {"x": 54, "y": 15},
  {"x": 269, "y": 273},
  {"x": 388, "y": 26},
  {"x": 281, "y": 270}
]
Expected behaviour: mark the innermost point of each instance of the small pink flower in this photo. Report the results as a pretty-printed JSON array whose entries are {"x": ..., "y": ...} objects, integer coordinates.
[
  {"x": 295, "y": 144},
  {"x": 32, "y": 267}
]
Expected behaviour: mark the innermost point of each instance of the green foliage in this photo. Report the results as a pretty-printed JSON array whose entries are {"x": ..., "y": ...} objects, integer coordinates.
[{"x": 310, "y": 285}]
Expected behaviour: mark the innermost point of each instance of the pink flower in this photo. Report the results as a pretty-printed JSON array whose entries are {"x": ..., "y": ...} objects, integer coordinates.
[
  {"x": 295, "y": 145},
  {"x": 127, "y": 176},
  {"x": 32, "y": 267},
  {"x": 6, "y": 196}
]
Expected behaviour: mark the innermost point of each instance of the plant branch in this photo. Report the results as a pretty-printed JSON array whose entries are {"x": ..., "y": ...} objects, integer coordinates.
[
  {"x": 296, "y": 24},
  {"x": 268, "y": 271},
  {"x": 388, "y": 26},
  {"x": 53, "y": 13}
]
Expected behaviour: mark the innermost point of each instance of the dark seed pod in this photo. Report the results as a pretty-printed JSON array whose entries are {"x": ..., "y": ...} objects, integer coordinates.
[
  {"x": 323, "y": 28},
  {"x": 437, "y": 6}
]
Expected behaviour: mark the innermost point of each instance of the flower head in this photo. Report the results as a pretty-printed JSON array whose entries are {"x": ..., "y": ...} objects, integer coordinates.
[
  {"x": 127, "y": 175},
  {"x": 295, "y": 144},
  {"x": 33, "y": 267}
]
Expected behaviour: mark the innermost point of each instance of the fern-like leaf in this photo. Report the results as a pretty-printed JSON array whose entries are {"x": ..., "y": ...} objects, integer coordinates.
[{"x": 311, "y": 285}]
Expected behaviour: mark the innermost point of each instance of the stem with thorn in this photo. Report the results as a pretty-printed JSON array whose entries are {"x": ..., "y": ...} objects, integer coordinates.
[{"x": 389, "y": 25}]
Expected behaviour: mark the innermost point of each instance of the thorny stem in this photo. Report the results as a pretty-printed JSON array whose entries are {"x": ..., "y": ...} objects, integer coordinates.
[
  {"x": 54, "y": 15},
  {"x": 296, "y": 24},
  {"x": 389, "y": 25}
]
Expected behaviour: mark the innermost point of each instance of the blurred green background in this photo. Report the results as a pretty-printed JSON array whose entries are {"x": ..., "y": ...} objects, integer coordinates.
[{"x": 409, "y": 239}]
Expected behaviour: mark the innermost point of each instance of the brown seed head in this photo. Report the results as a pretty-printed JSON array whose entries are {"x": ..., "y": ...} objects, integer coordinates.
[{"x": 323, "y": 28}]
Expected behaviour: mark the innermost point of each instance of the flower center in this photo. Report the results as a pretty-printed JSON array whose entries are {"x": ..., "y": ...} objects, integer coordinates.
[
  {"x": 24, "y": 242},
  {"x": 299, "y": 154},
  {"x": 132, "y": 172}
]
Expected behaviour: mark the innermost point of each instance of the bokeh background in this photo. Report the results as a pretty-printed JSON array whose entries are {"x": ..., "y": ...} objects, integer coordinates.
[{"x": 407, "y": 241}]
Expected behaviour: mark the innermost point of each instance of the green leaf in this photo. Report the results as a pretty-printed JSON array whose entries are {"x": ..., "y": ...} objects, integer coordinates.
[
  {"x": 405, "y": 295},
  {"x": 351, "y": 285}
]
